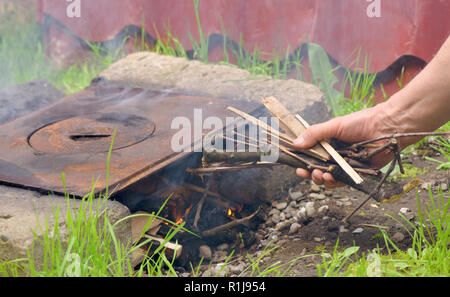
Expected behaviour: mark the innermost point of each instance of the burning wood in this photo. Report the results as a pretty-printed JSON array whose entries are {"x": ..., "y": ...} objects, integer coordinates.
[{"x": 229, "y": 225}]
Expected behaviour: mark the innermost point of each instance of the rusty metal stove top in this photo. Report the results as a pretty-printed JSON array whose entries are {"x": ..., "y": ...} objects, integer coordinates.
[{"x": 73, "y": 136}]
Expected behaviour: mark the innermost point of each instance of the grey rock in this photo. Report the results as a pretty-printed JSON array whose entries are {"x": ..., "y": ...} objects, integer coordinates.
[
  {"x": 281, "y": 205},
  {"x": 310, "y": 210},
  {"x": 301, "y": 215},
  {"x": 314, "y": 188},
  {"x": 274, "y": 211},
  {"x": 358, "y": 230},
  {"x": 221, "y": 270},
  {"x": 223, "y": 247},
  {"x": 288, "y": 213},
  {"x": 282, "y": 225},
  {"x": 342, "y": 229},
  {"x": 296, "y": 196},
  {"x": 408, "y": 213},
  {"x": 328, "y": 193},
  {"x": 205, "y": 252},
  {"x": 236, "y": 269},
  {"x": 276, "y": 218},
  {"x": 315, "y": 195},
  {"x": 426, "y": 185},
  {"x": 323, "y": 209},
  {"x": 444, "y": 186},
  {"x": 292, "y": 204},
  {"x": 28, "y": 212},
  {"x": 294, "y": 228},
  {"x": 398, "y": 237}
]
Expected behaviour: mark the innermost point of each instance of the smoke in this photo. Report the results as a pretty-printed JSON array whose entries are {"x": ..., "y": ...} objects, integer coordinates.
[{"x": 22, "y": 55}]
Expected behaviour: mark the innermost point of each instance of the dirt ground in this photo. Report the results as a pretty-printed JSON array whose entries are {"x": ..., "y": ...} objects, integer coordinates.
[{"x": 322, "y": 234}]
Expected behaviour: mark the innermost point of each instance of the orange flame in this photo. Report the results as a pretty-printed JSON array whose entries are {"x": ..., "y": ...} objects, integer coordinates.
[{"x": 230, "y": 212}]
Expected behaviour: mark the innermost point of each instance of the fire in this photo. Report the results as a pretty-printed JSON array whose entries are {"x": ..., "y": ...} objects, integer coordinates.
[
  {"x": 231, "y": 212},
  {"x": 181, "y": 218}
]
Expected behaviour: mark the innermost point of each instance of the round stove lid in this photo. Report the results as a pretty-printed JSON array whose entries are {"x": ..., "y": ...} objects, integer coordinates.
[{"x": 91, "y": 133}]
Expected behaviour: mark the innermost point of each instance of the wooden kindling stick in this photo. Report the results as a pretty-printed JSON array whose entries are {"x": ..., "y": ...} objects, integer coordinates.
[
  {"x": 335, "y": 155},
  {"x": 290, "y": 124}
]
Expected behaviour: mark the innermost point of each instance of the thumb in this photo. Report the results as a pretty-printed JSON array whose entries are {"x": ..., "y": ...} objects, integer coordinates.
[{"x": 316, "y": 133}]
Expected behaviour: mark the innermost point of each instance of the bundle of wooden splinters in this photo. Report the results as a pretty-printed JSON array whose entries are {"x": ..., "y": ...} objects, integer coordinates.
[{"x": 345, "y": 166}]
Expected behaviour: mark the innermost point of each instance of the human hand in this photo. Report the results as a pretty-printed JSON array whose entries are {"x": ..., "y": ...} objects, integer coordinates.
[{"x": 353, "y": 128}]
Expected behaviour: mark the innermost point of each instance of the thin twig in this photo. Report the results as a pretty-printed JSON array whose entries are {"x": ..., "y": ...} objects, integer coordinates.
[
  {"x": 374, "y": 226},
  {"x": 374, "y": 192},
  {"x": 231, "y": 168},
  {"x": 229, "y": 225},
  {"x": 399, "y": 135}
]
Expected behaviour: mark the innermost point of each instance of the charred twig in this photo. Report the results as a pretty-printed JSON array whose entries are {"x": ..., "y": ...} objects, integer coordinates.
[
  {"x": 365, "y": 156},
  {"x": 210, "y": 200},
  {"x": 231, "y": 168},
  {"x": 200, "y": 204},
  {"x": 214, "y": 231}
]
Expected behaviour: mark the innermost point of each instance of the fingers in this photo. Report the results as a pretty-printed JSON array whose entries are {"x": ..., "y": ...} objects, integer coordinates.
[
  {"x": 316, "y": 133},
  {"x": 320, "y": 178},
  {"x": 309, "y": 138}
]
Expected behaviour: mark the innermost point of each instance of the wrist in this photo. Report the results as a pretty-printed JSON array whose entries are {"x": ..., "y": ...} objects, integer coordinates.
[{"x": 397, "y": 116}]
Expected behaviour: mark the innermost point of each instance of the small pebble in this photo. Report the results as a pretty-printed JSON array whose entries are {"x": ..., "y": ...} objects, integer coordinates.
[
  {"x": 358, "y": 231},
  {"x": 274, "y": 211},
  {"x": 223, "y": 247},
  {"x": 397, "y": 237},
  {"x": 322, "y": 209},
  {"x": 301, "y": 216},
  {"x": 310, "y": 210},
  {"x": 314, "y": 188},
  {"x": 317, "y": 196},
  {"x": 342, "y": 229},
  {"x": 328, "y": 193},
  {"x": 282, "y": 225},
  {"x": 281, "y": 205},
  {"x": 294, "y": 228},
  {"x": 205, "y": 252},
  {"x": 295, "y": 195},
  {"x": 237, "y": 268},
  {"x": 276, "y": 218},
  {"x": 407, "y": 213},
  {"x": 444, "y": 186}
]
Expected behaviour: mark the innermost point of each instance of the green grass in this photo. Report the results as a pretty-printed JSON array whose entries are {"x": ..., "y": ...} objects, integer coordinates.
[
  {"x": 443, "y": 147},
  {"x": 428, "y": 256},
  {"x": 23, "y": 58}
]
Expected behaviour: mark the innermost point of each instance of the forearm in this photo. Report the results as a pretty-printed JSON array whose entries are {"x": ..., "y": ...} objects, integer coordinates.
[{"x": 424, "y": 104}]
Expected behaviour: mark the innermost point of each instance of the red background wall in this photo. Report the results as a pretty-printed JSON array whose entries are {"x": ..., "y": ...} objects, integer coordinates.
[{"x": 406, "y": 27}]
